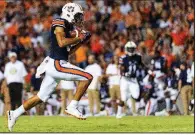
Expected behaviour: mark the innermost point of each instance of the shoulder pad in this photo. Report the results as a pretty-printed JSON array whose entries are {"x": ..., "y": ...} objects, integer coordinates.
[
  {"x": 123, "y": 56},
  {"x": 58, "y": 22}
]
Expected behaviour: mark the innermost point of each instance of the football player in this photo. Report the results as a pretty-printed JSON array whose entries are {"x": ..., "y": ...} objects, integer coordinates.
[
  {"x": 129, "y": 87},
  {"x": 56, "y": 66}
]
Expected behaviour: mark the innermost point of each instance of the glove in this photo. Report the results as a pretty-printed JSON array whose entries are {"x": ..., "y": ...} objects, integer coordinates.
[
  {"x": 85, "y": 36},
  {"x": 127, "y": 74}
]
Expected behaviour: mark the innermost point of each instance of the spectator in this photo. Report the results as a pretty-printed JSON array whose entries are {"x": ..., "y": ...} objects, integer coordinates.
[
  {"x": 113, "y": 74},
  {"x": 67, "y": 88},
  {"x": 184, "y": 85},
  {"x": 125, "y": 7},
  {"x": 179, "y": 36},
  {"x": 81, "y": 56},
  {"x": 14, "y": 75},
  {"x": 93, "y": 90}
]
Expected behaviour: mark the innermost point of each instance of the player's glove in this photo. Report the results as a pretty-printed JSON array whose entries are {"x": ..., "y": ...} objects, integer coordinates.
[
  {"x": 85, "y": 36},
  {"x": 127, "y": 74}
]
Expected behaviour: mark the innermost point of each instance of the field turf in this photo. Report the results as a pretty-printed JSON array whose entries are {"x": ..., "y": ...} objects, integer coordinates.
[{"x": 101, "y": 124}]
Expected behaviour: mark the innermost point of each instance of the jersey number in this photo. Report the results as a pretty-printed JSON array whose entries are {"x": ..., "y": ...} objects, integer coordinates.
[{"x": 132, "y": 69}]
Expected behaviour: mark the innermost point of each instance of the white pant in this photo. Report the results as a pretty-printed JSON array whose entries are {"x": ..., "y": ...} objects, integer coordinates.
[
  {"x": 151, "y": 106},
  {"x": 172, "y": 93},
  {"x": 55, "y": 71},
  {"x": 129, "y": 88}
]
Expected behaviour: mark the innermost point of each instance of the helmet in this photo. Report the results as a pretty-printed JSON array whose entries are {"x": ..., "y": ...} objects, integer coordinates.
[
  {"x": 130, "y": 48},
  {"x": 73, "y": 13}
]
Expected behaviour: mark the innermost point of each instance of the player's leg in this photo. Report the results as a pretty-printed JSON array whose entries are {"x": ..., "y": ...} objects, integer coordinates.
[
  {"x": 151, "y": 107},
  {"x": 67, "y": 71},
  {"x": 167, "y": 94},
  {"x": 63, "y": 101},
  {"x": 173, "y": 96},
  {"x": 72, "y": 107},
  {"x": 123, "y": 92},
  {"x": 47, "y": 87},
  {"x": 135, "y": 93}
]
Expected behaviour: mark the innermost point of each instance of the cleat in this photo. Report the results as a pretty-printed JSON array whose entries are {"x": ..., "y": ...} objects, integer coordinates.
[
  {"x": 11, "y": 120},
  {"x": 75, "y": 113},
  {"x": 119, "y": 116}
]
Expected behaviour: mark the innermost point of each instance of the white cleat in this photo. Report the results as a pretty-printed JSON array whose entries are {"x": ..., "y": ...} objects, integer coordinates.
[
  {"x": 75, "y": 113},
  {"x": 119, "y": 116},
  {"x": 11, "y": 120},
  {"x": 162, "y": 113}
]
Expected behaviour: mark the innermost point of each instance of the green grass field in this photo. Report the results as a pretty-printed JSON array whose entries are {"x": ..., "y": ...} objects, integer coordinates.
[{"x": 101, "y": 124}]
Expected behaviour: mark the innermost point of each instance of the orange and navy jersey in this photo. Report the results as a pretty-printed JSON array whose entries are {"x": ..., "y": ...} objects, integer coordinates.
[{"x": 56, "y": 52}]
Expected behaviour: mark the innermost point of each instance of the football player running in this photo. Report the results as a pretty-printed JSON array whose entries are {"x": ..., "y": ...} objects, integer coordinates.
[
  {"x": 56, "y": 66},
  {"x": 129, "y": 87}
]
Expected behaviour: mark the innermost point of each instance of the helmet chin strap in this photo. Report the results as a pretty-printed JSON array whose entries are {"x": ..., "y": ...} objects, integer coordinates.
[{"x": 130, "y": 54}]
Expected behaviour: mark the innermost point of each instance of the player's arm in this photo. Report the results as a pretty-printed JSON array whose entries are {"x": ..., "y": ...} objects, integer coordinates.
[
  {"x": 121, "y": 66},
  {"x": 62, "y": 41},
  {"x": 84, "y": 38},
  {"x": 122, "y": 70},
  {"x": 74, "y": 48}
]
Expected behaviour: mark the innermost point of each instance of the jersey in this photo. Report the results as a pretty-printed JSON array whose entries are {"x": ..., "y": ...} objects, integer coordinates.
[
  {"x": 158, "y": 63},
  {"x": 131, "y": 64},
  {"x": 171, "y": 82},
  {"x": 57, "y": 52}
]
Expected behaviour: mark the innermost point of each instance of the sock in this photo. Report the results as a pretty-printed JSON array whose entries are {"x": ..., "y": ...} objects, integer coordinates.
[
  {"x": 119, "y": 111},
  {"x": 174, "y": 107},
  {"x": 167, "y": 100},
  {"x": 73, "y": 103},
  {"x": 19, "y": 111}
]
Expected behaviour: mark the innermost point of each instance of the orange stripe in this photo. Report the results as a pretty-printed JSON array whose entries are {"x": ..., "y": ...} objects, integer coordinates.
[
  {"x": 71, "y": 70},
  {"x": 148, "y": 107},
  {"x": 58, "y": 22}
]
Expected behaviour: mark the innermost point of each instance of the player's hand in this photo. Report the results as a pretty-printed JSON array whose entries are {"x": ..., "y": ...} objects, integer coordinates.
[
  {"x": 85, "y": 36},
  {"x": 127, "y": 74}
]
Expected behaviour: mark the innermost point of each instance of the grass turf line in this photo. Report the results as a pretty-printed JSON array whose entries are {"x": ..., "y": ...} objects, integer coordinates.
[{"x": 101, "y": 124}]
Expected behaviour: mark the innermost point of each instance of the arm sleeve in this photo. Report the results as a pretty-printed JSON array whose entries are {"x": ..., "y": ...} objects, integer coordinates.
[{"x": 58, "y": 22}]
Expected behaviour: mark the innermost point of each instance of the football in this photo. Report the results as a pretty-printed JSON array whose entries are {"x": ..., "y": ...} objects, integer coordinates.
[{"x": 74, "y": 33}]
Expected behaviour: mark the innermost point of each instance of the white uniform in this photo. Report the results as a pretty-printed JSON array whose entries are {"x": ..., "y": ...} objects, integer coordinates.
[
  {"x": 54, "y": 72},
  {"x": 151, "y": 105},
  {"x": 129, "y": 88}
]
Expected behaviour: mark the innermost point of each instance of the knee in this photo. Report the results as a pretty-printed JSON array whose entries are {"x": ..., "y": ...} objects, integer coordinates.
[
  {"x": 120, "y": 103},
  {"x": 89, "y": 77}
]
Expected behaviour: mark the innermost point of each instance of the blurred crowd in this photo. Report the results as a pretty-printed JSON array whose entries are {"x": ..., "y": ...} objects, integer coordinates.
[{"x": 164, "y": 26}]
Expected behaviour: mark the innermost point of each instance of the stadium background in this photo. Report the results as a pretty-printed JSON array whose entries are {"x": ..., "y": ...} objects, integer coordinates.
[{"x": 25, "y": 25}]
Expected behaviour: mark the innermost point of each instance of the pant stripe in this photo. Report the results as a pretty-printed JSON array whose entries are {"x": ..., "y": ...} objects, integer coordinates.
[{"x": 71, "y": 70}]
